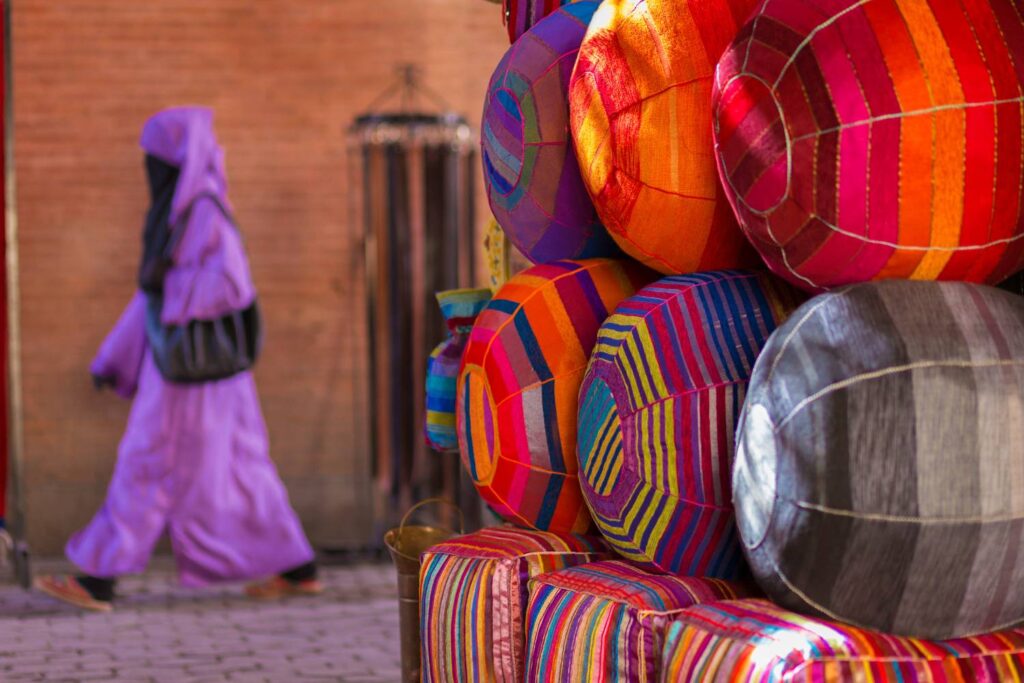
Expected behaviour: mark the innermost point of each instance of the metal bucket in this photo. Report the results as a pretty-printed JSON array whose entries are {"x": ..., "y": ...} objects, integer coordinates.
[{"x": 406, "y": 543}]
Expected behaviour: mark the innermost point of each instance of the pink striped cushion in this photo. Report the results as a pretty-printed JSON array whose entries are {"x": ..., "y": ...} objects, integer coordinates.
[
  {"x": 754, "y": 641},
  {"x": 473, "y": 595}
]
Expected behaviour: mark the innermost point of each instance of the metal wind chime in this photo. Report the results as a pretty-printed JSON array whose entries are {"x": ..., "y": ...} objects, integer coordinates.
[{"x": 412, "y": 171}]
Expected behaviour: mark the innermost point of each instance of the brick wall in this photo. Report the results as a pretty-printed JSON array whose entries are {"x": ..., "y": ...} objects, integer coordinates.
[{"x": 285, "y": 78}]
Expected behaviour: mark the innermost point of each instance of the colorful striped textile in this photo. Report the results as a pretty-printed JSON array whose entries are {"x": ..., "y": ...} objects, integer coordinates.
[
  {"x": 531, "y": 174},
  {"x": 870, "y": 140},
  {"x": 520, "y": 15},
  {"x": 459, "y": 307},
  {"x": 519, "y": 387},
  {"x": 658, "y": 411},
  {"x": 880, "y": 459},
  {"x": 605, "y": 622},
  {"x": 754, "y": 641},
  {"x": 473, "y": 592},
  {"x": 640, "y": 111}
]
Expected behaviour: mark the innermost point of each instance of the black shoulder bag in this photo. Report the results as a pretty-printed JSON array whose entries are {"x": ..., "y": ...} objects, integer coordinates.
[{"x": 201, "y": 350}]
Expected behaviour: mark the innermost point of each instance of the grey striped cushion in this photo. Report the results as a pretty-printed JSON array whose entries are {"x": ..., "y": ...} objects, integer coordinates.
[{"x": 879, "y": 474}]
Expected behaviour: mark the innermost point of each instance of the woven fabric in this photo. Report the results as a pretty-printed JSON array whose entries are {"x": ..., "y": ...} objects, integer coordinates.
[
  {"x": 640, "y": 101},
  {"x": 459, "y": 307},
  {"x": 658, "y": 411},
  {"x": 520, "y": 15},
  {"x": 880, "y": 459},
  {"x": 605, "y": 622},
  {"x": 473, "y": 592},
  {"x": 871, "y": 140},
  {"x": 531, "y": 174},
  {"x": 754, "y": 641},
  {"x": 518, "y": 391}
]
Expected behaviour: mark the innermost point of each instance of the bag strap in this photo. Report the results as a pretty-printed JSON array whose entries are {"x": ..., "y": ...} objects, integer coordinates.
[{"x": 178, "y": 229}]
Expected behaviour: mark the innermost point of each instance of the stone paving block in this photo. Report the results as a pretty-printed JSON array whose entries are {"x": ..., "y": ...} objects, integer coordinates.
[{"x": 162, "y": 633}]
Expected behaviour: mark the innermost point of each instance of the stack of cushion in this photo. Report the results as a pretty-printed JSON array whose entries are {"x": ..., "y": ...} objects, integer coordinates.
[
  {"x": 519, "y": 386},
  {"x": 758, "y": 642},
  {"x": 606, "y": 621},
  {"x": 473, "y": 592},
  {"x": 658, "y": 411}
]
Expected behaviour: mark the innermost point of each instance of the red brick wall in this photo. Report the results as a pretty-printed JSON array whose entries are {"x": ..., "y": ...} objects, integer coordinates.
[{"x": 285, "y": 78}]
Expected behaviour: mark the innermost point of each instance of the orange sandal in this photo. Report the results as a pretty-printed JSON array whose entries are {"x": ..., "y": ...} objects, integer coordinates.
[
  {"x": 278, "y": 587},
  {"x": 67, "y": 589}
]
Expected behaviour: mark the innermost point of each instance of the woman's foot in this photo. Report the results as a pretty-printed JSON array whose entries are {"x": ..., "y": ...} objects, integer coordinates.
[
  {"x": 70, "y": 590},
  {"x": 298, "y": 581}
]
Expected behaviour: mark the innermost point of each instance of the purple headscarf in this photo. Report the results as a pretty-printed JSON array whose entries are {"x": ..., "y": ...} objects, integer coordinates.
[
  {"x": 183, "y": 137},
  {"x": 210, "y": 275}
]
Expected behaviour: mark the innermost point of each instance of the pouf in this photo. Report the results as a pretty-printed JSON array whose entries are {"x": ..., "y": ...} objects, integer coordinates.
[
  {"x": 658, "y": 411},
  {"x": 519, "y": 387},
  {"x": 531, "y": 174},
  {"x": 520, "y": 15},
  {"x": 605, "y": 622},
  {"x": 757, "y": 642},
  {"x": 640, "y": 111},
  {"x": 459, "y": 307},
  {"x": 880, "y": 459},
  {"x": 473, "y": 592},
  {"x": 871, "y": 140}
]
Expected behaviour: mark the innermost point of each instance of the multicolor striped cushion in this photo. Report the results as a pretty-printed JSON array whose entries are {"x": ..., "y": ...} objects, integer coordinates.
[
  {"x": 531, "y": 174},
  {"x": 870, "y": 140},
  {"x": 754, "y": 641},
  {"x": 605, "y": 622},
  {"x": 880, "y": 459},
  {"x": 520, "y": 15},
  {"x": 473, "y": 592},
  {"x": 519, "y": 387},
  {"x": 459, "y": 307},
  {"x": 640, "y": 102},
  {"x": 658, "y": 411}
]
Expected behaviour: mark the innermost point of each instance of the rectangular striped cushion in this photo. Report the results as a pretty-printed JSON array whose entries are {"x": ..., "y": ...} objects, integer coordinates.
[
  {"x": 748, "y": 641},
  {"x": 606, "y": 621},
  {"x": 473, "y": 592}
]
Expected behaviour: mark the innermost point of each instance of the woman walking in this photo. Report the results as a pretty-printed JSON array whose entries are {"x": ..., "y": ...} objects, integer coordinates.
[{"x": 194, "y": 458}]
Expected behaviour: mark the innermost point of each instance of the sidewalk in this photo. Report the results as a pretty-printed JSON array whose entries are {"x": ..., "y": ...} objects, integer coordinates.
[{"x": 162, "y": 633}]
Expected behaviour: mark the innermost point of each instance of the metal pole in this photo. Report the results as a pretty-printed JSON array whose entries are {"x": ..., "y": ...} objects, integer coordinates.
[{"x": 14, "y": 408}]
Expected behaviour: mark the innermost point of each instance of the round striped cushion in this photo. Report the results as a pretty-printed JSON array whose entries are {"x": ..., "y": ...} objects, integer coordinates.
[
  {"x": 640, "y": 103},
  {"x": 880, "y": 459},
  {"x": 530, "y": 170},
  {"x": 519, "y": 385},
  {"x": 657, "y": 413},
  {"x": 872, "y": 140}
]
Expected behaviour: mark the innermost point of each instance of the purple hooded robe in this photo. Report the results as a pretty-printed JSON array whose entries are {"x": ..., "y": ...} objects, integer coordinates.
[{"x": 194, "y": 457}]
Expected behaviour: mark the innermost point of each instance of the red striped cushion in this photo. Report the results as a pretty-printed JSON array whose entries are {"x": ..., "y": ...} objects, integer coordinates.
[
  {"x": 519, "y": 387},
  {"x": 658, "y": 411},
  {"x": 869, "y": 140},
  {"x": 605, "y": 622},
  {"x": 473, "y": 595},
  {"x": 754, "y": 641}
]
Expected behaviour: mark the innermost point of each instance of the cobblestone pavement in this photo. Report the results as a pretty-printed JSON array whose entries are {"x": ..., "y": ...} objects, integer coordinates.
[{"x": 162, "y": 633}]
